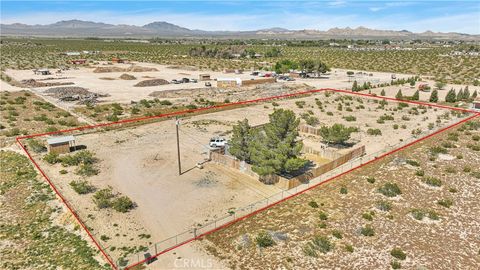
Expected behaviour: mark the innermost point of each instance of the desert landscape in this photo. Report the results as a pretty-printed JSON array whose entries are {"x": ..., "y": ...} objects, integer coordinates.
[{"x": 214, "y": 135}]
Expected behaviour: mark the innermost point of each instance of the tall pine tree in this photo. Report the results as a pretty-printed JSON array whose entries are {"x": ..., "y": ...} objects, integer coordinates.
[{"x": 434, "y": 96}]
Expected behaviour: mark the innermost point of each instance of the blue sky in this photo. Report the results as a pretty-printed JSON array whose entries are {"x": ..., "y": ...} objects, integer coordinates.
[{"x": 417, "y": 16}]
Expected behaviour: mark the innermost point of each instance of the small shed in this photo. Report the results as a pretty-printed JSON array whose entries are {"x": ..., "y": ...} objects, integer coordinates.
[
  {"x": 60, "y": 145},
  {"x": 204, "y": 77}
]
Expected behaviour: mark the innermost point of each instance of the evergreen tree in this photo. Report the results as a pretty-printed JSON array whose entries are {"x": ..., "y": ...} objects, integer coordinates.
[
  {"x": 382, "y": 93},
  {"x": 474, "y": 95},
  {"x": 241, "y": 140},
  {"x": 460, "y": 95},
  {"x": 399, "y": 95},
  {"x": 434, "y": 96},
  {"x": 451, "y": 96},
  {"x": 276, "y": 149},
  {"x": 355, "y": 86},
  {"x": 416, "y": 95},
  {"x": 336, "y": 134},
  {"x": 466, "y": 94}
]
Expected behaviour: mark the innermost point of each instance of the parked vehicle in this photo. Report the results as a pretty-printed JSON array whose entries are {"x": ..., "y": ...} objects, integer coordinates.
[
  {"x": 193, "y": 80},
  {"x": 255, "y": 73},
  {"x": 175, "y": 81},
  {"x": 217, "y": 142},
  {"x": 208, "y": 84},
  {"x": 185, "y": 80}
]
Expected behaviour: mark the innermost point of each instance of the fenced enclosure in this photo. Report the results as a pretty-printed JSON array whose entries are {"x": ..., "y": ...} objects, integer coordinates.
[{"x": 250, "y": 209}]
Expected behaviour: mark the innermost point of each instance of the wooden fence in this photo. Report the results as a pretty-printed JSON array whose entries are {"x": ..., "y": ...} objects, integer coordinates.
[{"x": 280, "y": 181}]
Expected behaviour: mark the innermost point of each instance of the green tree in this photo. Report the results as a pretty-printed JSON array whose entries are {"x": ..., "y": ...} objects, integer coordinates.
[
  {"x": 434, "y": 96},
  {"x": 275, "y": 149},
  {"x": 382, "y": 93},
  {"x": 460, "y": 95},
  {"x": 241, "y": 140},
  {"x": 307, "y": 65},
  {"x": 466, "y": 93},
  {"x": 451, "y": 96},
  {"x": 416, "y": 95},
  {"x": 440, "y": 85},
  {"x": 336, "y": 134},
  {"x": 474, "y": 95},
  {"x": 399, "y": 95},
  {"x": 355, "y": 86}
]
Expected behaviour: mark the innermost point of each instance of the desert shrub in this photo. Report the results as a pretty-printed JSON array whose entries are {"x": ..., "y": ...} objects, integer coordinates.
[
  {"x": 36, "y": 146},
  {"x": 367, "y": 230},
  {"x": 323, "y": 216},
  {"x": 438, "y": 150},
  {"x": 82, "y": 157},
  {"x": 395, "y": 264},
  {"x": 420, "y": 214},
  {"x": 371, "y": 179},
  {"x": 313, "y": 204},
  {"x": 450, "y": 169},
  {"x": 374, "y": 132},
  {"x": 413, "y": 162},
  {"x": 318, "y": 243},
  {"x": 432, "y": 181},
  {"x": 349, "y": 248},
  {"x": 264, "y": 239},
  {"x": 398, "y": 253},
  {"x": 86, "y": 170},
  {"x": 300, "y": 104},
  {"x": 445, "y": 203},
  {"x": 82, "y": 187},
  {"x": 384, "y": 206},
  {"x": 337, "y": 234},
  {"x": 343, "y": 190},
  {"x": 390, "y": 190},
  {"x": 368, "y": 216},
  {"x": 122, "y": 204},
  {"x": 419, "y": 172},
  {"x": 350, "y": 118},
  {"x": 51, "y": 158},
  {"x": 104, "y": 238},
  {"x": 102, "y": 198}
]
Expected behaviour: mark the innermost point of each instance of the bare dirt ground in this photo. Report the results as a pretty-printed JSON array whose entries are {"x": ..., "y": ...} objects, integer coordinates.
[
  {"x": 445, "y": 238},
  {"x": 141, "y": 163},
  {"x": 124, "y": 91}
]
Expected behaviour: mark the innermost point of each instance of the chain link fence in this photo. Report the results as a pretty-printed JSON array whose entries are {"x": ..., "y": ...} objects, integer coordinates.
[{"x": 243, "y": 212}]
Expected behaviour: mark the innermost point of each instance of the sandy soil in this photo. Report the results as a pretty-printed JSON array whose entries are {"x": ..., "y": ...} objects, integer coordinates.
[
  {"x": 141, "y": 163},
  {"x": 123, "y": 91}
]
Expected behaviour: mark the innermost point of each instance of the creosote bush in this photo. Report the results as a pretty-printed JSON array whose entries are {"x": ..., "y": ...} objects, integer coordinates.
[
  {"x": 264, "y": 239},
  {"x": 390, "y": 190},
  {"x": 82, "y": 187}
]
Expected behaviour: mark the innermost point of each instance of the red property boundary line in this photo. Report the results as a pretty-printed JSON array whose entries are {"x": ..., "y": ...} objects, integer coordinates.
[{"x": 107, "y": 257}]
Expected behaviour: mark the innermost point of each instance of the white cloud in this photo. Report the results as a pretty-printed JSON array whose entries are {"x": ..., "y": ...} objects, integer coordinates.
[
  {"x": 375, "y": 9},
  {"x": 337, "y": 3}
]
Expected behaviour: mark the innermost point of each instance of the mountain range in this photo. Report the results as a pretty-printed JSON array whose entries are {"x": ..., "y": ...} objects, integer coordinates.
[{"x": 79, "y": 28}]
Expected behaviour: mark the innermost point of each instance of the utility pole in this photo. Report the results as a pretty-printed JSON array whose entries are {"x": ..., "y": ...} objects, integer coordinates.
[{"x": 177, "y": 123}]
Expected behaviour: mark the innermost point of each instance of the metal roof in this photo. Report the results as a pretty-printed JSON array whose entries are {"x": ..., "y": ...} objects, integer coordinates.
[{"x": 58, "y": 140}]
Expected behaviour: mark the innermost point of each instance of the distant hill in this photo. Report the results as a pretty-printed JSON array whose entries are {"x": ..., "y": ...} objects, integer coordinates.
[{"x": 78, "y": 28}]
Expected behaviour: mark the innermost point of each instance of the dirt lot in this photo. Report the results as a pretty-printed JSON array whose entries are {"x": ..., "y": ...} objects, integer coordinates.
[
  {"x": 426, "y": 226},
  {"x": 141, "y": 163},
  {"x": 124, "y": 91}
]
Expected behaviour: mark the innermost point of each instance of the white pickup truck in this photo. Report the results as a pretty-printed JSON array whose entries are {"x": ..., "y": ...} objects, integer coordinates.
[{"x": 217, "y": 142}]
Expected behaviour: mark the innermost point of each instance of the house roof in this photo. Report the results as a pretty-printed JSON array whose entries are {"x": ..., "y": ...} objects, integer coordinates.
[{"x": 59, "y": 140}]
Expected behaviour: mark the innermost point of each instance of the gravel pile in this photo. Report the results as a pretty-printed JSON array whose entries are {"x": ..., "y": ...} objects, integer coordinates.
[{"x": 152, "y": 82}]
